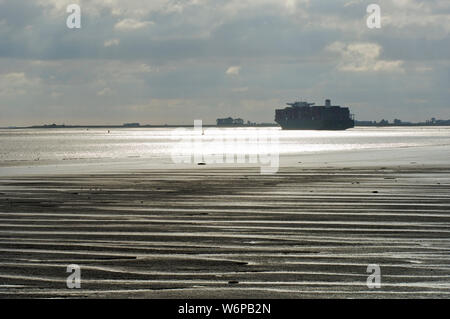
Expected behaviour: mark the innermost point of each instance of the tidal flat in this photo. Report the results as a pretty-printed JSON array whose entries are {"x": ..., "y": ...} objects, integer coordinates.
[{"x": 228, "y": 233}]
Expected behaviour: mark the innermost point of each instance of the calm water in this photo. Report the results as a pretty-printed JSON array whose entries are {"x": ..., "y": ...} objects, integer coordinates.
[{"x": 128, "y": 148}]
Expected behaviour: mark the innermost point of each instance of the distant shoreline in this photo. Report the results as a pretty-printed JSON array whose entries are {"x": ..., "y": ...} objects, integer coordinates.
[
  {"x": 140, "y": 126},
  {"x": 204, "y": 126}
]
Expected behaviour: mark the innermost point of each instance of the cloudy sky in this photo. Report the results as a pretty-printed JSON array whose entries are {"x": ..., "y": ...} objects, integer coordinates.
[{"x": 173, "y": 61}]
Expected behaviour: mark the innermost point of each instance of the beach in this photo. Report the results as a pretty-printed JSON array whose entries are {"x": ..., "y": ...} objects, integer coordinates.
[
  {"x": 173, "y": 150},
  {"x": 228, "y": 232}
]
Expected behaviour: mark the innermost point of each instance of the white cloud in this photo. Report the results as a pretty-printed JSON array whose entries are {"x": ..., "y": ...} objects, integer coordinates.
[
  {"x": 104, "y": 92},
  {"x": 423, "y": 68},
  {"x": 233, "y": 70},
  {"x": 293, "y": 6},
  {"x": 429, "y": 18},
  {"x": 112, "y": 42},
  {"x": 56, "y": 95},
  {"x": 17, "y": 83},
  {"x": 146, "y": 68},
  {"x": 131, "y": 24},
  {"x": 363, "y": 57},
  {"x": 352, "y": 3},
  {"x": 240, "y": 90}
]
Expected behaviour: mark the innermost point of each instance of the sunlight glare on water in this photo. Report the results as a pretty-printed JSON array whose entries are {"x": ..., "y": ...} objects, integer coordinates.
[{"x": 64, "y": 146}]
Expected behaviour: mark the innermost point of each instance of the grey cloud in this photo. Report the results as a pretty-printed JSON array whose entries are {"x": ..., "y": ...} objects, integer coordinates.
[{"x": 173, "y": 68}]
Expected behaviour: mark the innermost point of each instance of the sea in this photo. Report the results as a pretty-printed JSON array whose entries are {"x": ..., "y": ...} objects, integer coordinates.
[{"x": 82, "y": 150}]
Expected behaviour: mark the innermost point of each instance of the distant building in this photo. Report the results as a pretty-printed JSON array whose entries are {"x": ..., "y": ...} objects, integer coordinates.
[
  {"x": 229, "y": 121},
  {"x": 131, "y": 125},
  {"x": 365, "y": 123},
  {"x": 54, "y": 125},
  {"x": 442, "y": 122},
  {"x": 397, "y": 122},
  {"x": 225, "y": 121},
  {"x": 238, "y": 121}
]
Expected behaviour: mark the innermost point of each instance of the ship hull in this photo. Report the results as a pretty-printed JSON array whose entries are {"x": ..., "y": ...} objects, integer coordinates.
[{"x": 298, "y": 124}]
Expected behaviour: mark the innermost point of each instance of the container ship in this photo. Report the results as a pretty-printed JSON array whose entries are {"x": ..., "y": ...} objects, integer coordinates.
[{"x": 307, "y": 116}]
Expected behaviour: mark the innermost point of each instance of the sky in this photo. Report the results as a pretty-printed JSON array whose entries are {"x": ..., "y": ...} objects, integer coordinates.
[{"x": 174, "y": 61}]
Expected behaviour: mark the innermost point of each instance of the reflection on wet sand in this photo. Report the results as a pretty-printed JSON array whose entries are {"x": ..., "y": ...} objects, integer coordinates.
[{"x": 228, "y": 233}]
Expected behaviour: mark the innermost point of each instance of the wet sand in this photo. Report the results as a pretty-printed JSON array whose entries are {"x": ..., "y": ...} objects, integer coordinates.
[{"x": 228, "y": 232}]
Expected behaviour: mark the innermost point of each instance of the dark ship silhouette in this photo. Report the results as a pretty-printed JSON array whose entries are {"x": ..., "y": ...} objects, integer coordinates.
[{"x": 306, "y": 116}]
